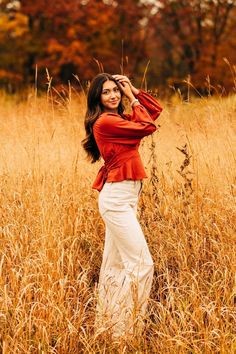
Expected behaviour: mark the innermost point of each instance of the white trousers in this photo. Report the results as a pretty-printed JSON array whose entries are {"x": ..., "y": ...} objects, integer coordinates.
[{"x": 127, "y": 267}]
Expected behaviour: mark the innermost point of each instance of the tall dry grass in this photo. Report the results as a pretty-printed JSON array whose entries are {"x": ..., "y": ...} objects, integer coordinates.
[{"x": 52, "y": 235}]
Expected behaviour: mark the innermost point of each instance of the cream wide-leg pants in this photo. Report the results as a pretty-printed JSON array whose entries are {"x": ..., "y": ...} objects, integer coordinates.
[{"x": 127, "y": 267}]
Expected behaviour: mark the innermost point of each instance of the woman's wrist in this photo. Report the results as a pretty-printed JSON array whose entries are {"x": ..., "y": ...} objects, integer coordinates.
[
  {"x": 135, "y": 91},
  {"x": 134, "y": 102},
  {"x": 131, "y": 97}
]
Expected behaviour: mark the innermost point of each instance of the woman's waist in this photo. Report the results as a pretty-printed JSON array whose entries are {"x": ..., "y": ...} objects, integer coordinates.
[
  {"x": 118, "y": 159},
  {"x": 127, "y": 166},
  {"x": 129, "y": 170}
]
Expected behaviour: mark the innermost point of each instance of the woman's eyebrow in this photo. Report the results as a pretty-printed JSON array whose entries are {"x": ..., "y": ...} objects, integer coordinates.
[{"x": 110, "y": 89}]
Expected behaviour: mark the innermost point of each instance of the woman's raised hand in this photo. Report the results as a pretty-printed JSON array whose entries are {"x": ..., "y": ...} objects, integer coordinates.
[
  {"x": 128, "y": 89},
  {"x": 125, "y": 85},
  {"x": 122, "y": 79}
]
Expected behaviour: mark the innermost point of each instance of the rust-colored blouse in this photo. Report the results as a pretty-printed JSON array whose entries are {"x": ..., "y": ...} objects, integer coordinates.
[{"x": 118, "y": 139}]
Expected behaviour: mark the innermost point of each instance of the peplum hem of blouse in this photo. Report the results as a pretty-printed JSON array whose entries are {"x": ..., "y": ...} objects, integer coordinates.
[{"x": 131, "y": 169}]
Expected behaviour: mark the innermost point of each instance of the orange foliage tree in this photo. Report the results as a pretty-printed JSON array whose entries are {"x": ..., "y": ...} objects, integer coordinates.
[
  {"x": 81, "y": 37},
  {"x": 13, "y": 31},
  {"x": 71, "y": 37},
  {"x": 193, "y": 38}
]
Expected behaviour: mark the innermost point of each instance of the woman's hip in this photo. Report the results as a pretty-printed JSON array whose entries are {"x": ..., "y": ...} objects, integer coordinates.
[{"x": 118, "y": 196}]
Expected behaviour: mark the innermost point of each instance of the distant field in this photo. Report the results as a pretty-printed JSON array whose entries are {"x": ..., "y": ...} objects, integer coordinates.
[{"x": 51, "y": 233}]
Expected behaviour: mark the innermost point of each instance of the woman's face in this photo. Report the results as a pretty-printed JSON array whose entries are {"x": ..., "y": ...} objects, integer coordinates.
[{"x": 110, "y": 96}]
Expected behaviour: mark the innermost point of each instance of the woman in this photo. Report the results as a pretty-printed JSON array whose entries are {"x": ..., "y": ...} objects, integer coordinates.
[{"x": 127, "y": 266}]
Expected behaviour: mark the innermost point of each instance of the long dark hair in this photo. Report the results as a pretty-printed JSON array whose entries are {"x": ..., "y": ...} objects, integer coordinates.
[{"x": 94, "y": 109}]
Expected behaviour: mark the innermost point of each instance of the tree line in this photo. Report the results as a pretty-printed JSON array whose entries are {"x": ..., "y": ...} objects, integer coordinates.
[{"x": 165, "y": 43}]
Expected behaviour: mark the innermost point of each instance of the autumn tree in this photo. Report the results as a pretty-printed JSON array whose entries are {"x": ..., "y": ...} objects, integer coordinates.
[
  {"x": 81, "y": 37},
  {"x": 13, "y": 31},
  {"x": 73, "y": 37},
  {"x": 192, "y": 38},
  {"x": 57, "y": 35},
  {"x": 119, "y": 43}
]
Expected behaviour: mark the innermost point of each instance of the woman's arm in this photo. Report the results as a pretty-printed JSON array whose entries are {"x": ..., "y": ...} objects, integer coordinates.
[
  {"x": 128, "y": 89},
  {"x": 150, "y": 103},
  {"x": 146, "y": 100},
  {"x": 124, "y": 79},
  {"x": 113, "y": 128}
]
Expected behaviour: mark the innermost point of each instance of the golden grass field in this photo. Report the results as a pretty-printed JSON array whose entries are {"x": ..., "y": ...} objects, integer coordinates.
[{"x": 51, "y": 233}]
